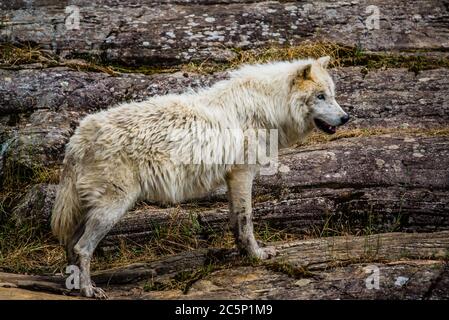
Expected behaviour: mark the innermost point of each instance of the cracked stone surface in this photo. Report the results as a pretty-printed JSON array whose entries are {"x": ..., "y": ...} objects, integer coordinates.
[
  {"x": 172, "y": 31},
  {"x": 409, "y": 266}
]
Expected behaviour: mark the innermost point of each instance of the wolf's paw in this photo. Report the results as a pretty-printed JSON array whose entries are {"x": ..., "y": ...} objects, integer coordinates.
[
  {"x": 93, "y": 292},
  {"x": 265, "y": 253}
]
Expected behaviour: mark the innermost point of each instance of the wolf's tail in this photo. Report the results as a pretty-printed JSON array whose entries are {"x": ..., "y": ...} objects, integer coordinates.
[{"x": 66, "y": 212}]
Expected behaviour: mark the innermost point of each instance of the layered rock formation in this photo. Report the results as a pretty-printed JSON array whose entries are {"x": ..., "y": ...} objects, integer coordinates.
[{"x": 388, "y": 171}]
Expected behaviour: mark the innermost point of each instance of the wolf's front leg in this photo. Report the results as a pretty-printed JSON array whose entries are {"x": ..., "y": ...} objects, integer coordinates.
[{"x": 239, "y": 183}]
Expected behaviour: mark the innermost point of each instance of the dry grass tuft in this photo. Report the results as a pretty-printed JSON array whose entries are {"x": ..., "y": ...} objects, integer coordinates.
[
  {"x": 320, "y": 138},
  {"x": 24, "y": 249},
  {"x": 254, "y": 56},
  {"x": 305, "y": 50},
  {"x": 342, "y": 56},
  {"x": 12, "y": 56},
  {"x": 20, "y": 178}
]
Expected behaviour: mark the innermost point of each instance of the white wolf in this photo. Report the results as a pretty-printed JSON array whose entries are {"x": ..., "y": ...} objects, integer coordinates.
[{"x": 124, "y": 154}]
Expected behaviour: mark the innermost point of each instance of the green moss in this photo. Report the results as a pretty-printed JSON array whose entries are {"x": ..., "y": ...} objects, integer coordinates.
[
  {"x": 147, "y": 70},
  {"x": 182, "y": 280},
  {"x": 288, "y": 269}
]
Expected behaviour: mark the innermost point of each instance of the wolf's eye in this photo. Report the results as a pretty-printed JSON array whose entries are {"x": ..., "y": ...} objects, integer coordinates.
[{"x": 321, "y": 96}]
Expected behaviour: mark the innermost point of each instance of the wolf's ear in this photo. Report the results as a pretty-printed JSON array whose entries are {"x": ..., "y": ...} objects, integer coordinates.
[
  {"x": 324, "y": 61},
  {"x": 304, "y": 73},
  {"x": 301, "y": 74}
]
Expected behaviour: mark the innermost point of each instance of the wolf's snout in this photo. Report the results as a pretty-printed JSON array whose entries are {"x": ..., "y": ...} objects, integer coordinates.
[{"x": 344, "y": 119}]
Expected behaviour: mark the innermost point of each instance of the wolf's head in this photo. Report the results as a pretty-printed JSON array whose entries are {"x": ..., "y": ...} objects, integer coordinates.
[{"x": 313, "y": 97}]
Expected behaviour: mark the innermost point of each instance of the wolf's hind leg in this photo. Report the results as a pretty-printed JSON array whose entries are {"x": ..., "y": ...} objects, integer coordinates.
[
  {"x": 99, "y": 222},
  {"x": 72, "y": 258},
  {"x": 239, "y": 183}
]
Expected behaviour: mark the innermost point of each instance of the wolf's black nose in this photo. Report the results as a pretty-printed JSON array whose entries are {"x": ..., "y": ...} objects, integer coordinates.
[{"x": 344, "y": 119}]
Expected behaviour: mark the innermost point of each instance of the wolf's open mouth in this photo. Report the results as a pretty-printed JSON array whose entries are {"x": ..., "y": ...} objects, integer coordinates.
[{"x": 323, "y": 126}]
